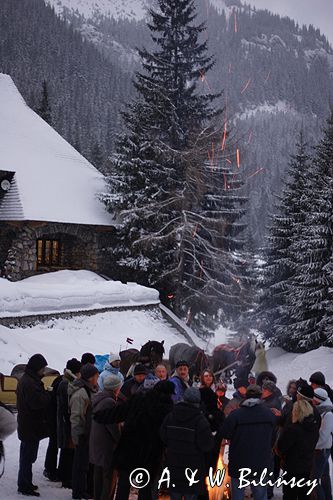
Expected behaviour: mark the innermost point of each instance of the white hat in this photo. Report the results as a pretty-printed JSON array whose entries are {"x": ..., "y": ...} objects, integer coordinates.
[
  {"x": 320, "y": 395},
  {"x": 113, "y": 357}
]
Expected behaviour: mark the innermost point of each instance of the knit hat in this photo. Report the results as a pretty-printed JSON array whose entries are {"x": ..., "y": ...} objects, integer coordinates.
[
  {"x": 140, "y": 370},
  {"x": 87, "y": 357},
  {"x": 192, "y": 395},
  {"x": 114, "y": 357},
  {"x": 320, "y": 395},
  {"x": 87, "y": 371},
  {"x": 306, "y": 392},
  {"x": 74, "y": 365},
  {"x": 240, "y": 382},
  {"x": 182, "y": 362},
  {"x": 37, "y": 362},
  {"x": 253, "y": 391},
  {"x": 112, "y": 382},
  {"x": 318, "y": 378},
  {"x": 269, "y": 386}
]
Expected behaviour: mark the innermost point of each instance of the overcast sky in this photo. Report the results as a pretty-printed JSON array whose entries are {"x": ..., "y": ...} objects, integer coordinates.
[{"x": 316, "y": 12}]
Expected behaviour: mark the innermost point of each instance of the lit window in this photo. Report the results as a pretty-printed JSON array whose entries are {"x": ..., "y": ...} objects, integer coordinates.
[{"x": 49, "y": 252}]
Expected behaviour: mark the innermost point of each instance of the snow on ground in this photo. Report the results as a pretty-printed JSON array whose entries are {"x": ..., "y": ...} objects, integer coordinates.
[
  {"x": 61, "y": 339},
  {"x": 69, "y": 291}
]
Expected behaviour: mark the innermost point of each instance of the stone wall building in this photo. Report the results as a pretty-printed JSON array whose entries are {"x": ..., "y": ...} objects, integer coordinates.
[{"x": 50, "y": 214}]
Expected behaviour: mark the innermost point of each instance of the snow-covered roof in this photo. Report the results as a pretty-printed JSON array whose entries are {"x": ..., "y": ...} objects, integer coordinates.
[{"x": 52, "y": 181}]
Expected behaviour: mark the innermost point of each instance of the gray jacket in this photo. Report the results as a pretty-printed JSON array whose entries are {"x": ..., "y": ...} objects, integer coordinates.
[
  {"x": 79, "y": 396},
  {"x": 326, "y": 428},
  {"x": 103, "y": 437}
]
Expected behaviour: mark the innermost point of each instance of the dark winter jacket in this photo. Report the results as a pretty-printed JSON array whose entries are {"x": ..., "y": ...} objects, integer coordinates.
[
  {"x": 210, "y": 409},
  {"x": 234, "y": 403},
  {"x": 273, "y": 401},
  {"x": 103, "y": 438},
  {"x": 130, "y": 387},
  {"x": 180, "y": 388},
  {"x": 187, "y": 436},
  {"x": 140, "y": 444},
  {"x": 33, "y": 403},
  {"x": 63, "y": 417},
  {"x": 296, "y": 446},
  {"x": 286, "y": 415},
  {"x": 250, "y": 430},
  {"x": 79, "y": 395},
  {"x": 53, "y": 411}
]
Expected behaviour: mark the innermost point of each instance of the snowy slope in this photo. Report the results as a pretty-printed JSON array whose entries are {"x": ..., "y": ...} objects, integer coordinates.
[
  {"x": 55, "y": 183},
  {"x": 132, "y": 9},
  {"x": 69, "y": 291}
]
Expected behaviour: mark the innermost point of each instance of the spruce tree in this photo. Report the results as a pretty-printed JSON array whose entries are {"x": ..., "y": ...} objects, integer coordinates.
[
  {"x": 177, "y": 215},
  {"x": 44, "y": 109},
  {"x": 311, "y": 311},
  {"x": 281, "y": 254}
]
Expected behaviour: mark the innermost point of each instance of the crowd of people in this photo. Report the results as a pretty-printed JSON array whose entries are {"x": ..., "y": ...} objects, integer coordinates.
[{"x": 101, "y": 428}]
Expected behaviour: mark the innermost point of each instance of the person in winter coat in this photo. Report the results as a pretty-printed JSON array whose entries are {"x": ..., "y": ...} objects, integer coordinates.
[
  {"x": 317, "y": 380},
  {"x": 8, "y": 425},
  {"x": 271, "y": 399},
  {"x": 187, "y": 437},
  {"x": 240, "y": 385},
  {"x": 140, "y": 445},
  {"x": 104, "y": 439},
  {"x": 79, "y": 393},
  {"x": 266, "y": 375},
  {"x": 88, "y": 358},
  {"x": 215, "y": 417},
  {"x": 72, "y": 372},
  {"x": 133, "y": 384},
  {"x": 51, "y": 458},
  {"x": 110, "y": 367},
  {"x": 181, "y": 380},
  {"x": 249, "y": 430},
  {"x": 161, "y": 372},
  {"x": 32, "y": 406},
  {"x": 321, "y": 468},
  {"x": 304, "y": 391},
  {"x": 222, "y": 399},
  {"x": 207, "y": 379},
  {"x": 296, "y": 445}
]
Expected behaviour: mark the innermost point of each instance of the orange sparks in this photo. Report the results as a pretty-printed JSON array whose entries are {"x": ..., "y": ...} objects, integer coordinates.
[
  {"x": 267, "y": 77},
  {"x": 255, "y": 173},
  {"x": 225, "y": 181},
  {"x": 204, "y": 80},
  {"x": 235, "y": 22},
  {"x": 238, "y": 158},
  {"x": 246, "y": 86},
  {"x": 224, "y": 137},
  {"x": 250, "y": 137}
]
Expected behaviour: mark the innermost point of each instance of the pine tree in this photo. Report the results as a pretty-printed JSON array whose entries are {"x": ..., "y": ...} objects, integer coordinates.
[
  {"x": 178, "y": 218},
  {"x": 311, "y": 312},
  {"x": 44, "y": 109},
  {"x": 281, "y": 256}
]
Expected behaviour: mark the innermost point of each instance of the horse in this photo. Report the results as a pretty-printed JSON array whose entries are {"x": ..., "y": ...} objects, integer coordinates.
[
  {"x": 239, "y": 359},
  {"x": 150, "y": 354},
  {"x": 193, "y": 355}
]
